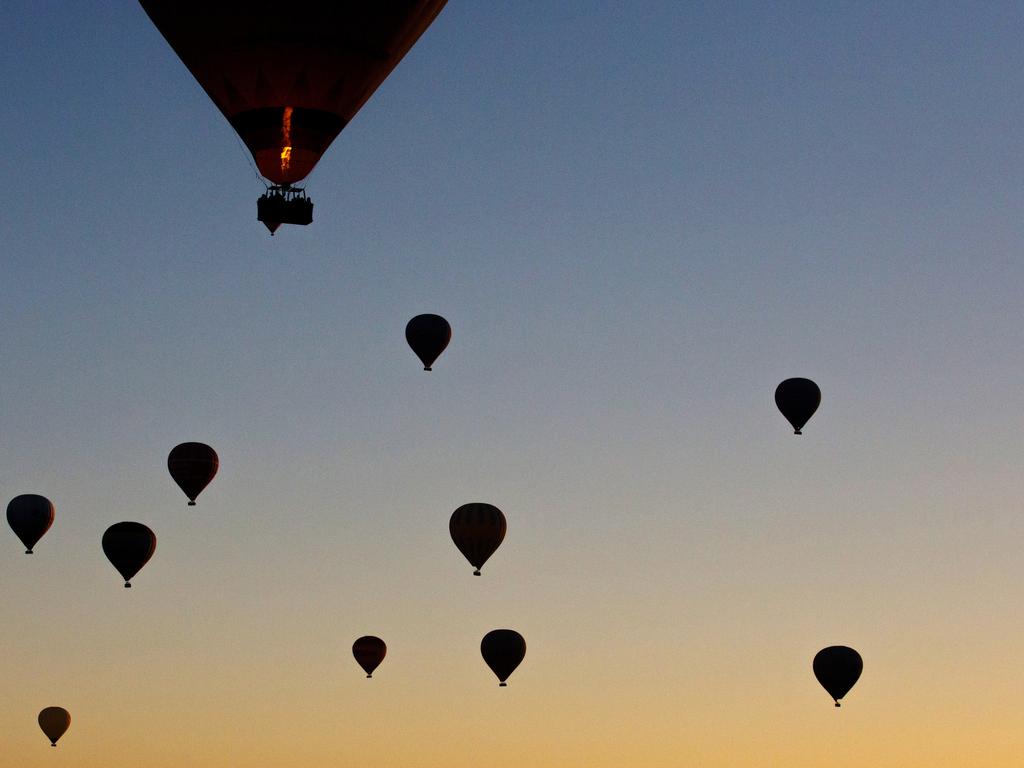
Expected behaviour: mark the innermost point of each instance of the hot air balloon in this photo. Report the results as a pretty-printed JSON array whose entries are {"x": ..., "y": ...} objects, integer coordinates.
[
  {"x": 477, "y": 530},
  {"x": 503, "y": 650},
  {"x": 128, "y": 546},
  {"x": 369, "y": 652},
  {"x": 193, "y": 466},
  {"x": 54, "y": 721},
  {"x": 798, "y": 399},
  {"x": 290, "y": 78},
  {"x": 837, "y": 669},
  {"x": 30, "y": 516},
  {"x": 428, "y": 335}
]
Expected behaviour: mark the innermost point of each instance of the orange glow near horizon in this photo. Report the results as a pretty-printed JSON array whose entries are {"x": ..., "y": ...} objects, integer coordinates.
[{"x": 286, "y": 140}]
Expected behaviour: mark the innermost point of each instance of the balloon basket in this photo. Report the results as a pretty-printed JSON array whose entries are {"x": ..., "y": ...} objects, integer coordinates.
[{"x": 284, "y": 205}]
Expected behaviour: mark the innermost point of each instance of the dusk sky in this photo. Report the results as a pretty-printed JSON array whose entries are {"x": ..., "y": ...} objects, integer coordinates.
[{"x": 638, "y": 218}]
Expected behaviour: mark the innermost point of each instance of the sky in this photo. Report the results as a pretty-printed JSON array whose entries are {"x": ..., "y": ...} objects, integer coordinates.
[{"x": 639, "y": 218}]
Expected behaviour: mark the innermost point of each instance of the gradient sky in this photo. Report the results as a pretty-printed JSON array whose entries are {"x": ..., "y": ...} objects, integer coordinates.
[{"x": 639, "y": 218}]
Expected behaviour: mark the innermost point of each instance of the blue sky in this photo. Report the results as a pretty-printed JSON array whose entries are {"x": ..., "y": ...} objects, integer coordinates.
[{"x": 638, "y": 218}]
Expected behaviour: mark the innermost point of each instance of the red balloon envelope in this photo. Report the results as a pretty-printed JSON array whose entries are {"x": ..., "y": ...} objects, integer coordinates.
[{"x": 290, "y": 76}]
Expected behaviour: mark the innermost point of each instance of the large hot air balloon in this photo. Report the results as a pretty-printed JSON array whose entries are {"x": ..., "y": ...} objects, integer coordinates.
[
  {"x": 128, "y": 546},
  {"x": 798, "y": 399},
  {"x": 290, "y": 77},
  {"x": 30, "y": 516},
  {"x": 428, "y": 335},
  {"x": 54, "y": 721},
  {"x": 192, "y": 465},
  {"x": 369, "y": 652},
  {"x": 503, "y": 650},
  {"x": 837, "y": 669},
  {"x": 477, "y": 530}
]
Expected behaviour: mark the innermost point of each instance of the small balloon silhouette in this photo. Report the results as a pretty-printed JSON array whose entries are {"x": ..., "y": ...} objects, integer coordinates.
[
  {"x": 128, "y": 546},
  {"x": 54, "y": 721},
  {"x": 837, "y": 669},
  {"x": 798, "y": 399},
  {"x": 503, "y": 650},
  {"x": 30, "y": 516},
  {"x": 369, "y": 652},
  {"x": 428, "y": 335},
  {"x": 477, "y": 530},
  {"x": 193, "y": 466}
]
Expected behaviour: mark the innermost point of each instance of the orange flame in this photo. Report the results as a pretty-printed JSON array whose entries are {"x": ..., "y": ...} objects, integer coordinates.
[{"x": 286, "y": 140}]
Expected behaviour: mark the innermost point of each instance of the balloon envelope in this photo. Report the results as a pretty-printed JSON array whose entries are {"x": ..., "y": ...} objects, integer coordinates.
[
  {"x": 837, "y": 669},
  {"x": 128, "y": 546},
  {"x": 428, "y": 335},
  {"x": 193, "y": 466},
  {"x": 798, "y": 399},
  {"x": 503, "y": 650},
  {"x": 54, "y": 721},
  {"x": 477, "y": 530},
  {"x": 289, "y": 78},
  {"x": 30, "y": 516},
  {"x": 369, "y": 652}
]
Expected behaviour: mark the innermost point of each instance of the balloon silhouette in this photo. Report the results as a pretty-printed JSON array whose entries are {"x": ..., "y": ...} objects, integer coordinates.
[
  {"x": 30, "y": 516},
  {"x": 837, "y": 669},
  {"x": 369, "y": 652},
  {"x": 128, "y": 546},
  {"x": 428, "y": 335},
  {"x": 288, "y": 81},
  {"x": 503, "y": 650},
  {"x": 54, "y": 721},
  {"x": 798, "y": 399},
  {"x": 477, "y": 530},
  {"x": 193, "y": 466}
]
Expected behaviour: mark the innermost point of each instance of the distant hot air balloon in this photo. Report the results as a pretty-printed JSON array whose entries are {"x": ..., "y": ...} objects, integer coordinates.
[
  {"x": 54, "y": 721},
  {"x": 477, "y": 530},
  {"x": 428, "y": 335},
  {"x": 369, "y": 652},
  {"x": 193, "y": 466},
  {"x": 798, "y": 399},
  {"x": 837, "y": 669},
  {"x": 30, "y": 516},
  {"x": 503, "y": 650},
  {"x": 128, "y": 546},
  {"x": 290, "y": 78}
]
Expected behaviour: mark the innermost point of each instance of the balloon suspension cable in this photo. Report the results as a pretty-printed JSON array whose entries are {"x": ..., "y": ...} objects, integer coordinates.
[{"x": 252, "y": 163}]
